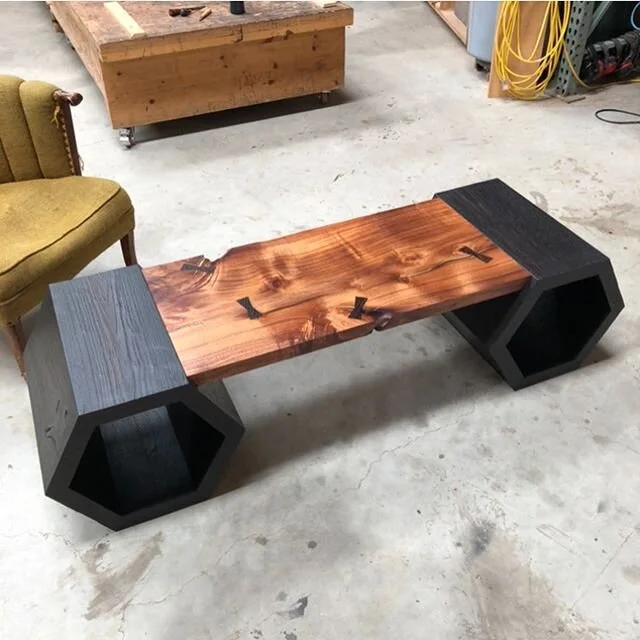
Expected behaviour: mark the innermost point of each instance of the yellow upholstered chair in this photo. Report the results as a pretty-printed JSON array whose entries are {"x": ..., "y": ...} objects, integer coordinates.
[{"x": 53, "y": 221}]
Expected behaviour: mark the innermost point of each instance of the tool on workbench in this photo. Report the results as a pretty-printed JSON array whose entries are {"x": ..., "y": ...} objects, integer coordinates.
[
  {"x": 205, "y": 12},
  {"x": 184, "y": 11},
  {"x": 236, "y": 8}
]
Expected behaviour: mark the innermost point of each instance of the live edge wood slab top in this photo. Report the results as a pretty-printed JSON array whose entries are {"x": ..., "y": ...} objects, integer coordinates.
[{"x": 268, "y": 301}]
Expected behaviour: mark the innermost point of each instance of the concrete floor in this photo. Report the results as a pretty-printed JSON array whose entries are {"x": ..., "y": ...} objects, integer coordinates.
[{"x": 393, "y": 486}]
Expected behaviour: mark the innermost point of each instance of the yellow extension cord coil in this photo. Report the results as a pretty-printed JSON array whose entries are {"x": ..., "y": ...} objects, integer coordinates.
[{"x": 544, "y": 56}]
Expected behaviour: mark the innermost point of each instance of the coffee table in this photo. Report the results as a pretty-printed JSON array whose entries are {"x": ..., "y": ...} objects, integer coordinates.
[{"x": 115, "y": 361}]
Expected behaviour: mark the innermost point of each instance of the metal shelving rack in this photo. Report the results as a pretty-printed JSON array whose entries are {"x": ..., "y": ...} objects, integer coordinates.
[{"x": 584, "y": 18}]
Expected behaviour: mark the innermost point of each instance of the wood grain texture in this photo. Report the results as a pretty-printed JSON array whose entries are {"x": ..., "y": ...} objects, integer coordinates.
[
  {"x": 165, "y": 34},
  {"x": 146, "y": 462},
  {"x": 80, "y": 37},
  {"x": 184, "y": 67},
  {"x": 124, "y": 19},
  {"x": 446, "y": 12},
  {"x": 122, "y": 437},
  {"x": 200, "y": 81},
  {"x": 52, "y": 402},
  {"x": 549, "y": 327},
  {"x": 408, "y": 263},
  {"x": 140, "y": 462},
  {"x": 110, "y": 321},
  {"x": 541, "y": 244}
]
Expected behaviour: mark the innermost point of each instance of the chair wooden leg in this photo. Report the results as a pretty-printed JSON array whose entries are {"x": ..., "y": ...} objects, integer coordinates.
[
  {"x": 128, "y": 249},
  {"x": 15, "y": 336}
]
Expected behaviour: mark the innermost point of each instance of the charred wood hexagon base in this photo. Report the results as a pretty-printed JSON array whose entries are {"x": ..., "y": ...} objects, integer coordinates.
[
  {"x": 550, "y": 326},
  {"x": 122, "y": 436}
]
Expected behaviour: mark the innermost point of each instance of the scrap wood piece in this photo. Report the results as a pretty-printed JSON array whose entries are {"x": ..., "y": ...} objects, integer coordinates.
[
  {"x": 533, "y": 16},
  {"x": 125, "y": 20},
  {"x": 446, "y": 12}
]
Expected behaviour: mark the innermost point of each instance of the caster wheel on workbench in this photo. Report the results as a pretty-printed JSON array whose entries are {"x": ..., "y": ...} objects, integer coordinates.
[
  {"x": 56, "y": 25},
  {"x": 324, "y": 97},
  {"x": 126, "y": 137},
  {"x": 482, "y": 65}
]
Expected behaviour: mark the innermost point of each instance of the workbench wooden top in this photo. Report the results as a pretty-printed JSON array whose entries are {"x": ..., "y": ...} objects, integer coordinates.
[
  {"x": 262, "y": 20},
  {"x": 408, "y": 263}
]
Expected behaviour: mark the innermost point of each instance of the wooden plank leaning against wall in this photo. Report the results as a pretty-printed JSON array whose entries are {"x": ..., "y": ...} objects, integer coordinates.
[{"x": 532, "y": 17}]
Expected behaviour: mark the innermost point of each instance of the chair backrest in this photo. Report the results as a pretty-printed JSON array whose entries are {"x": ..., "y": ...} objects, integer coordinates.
[{"x": 33, "y": 139}]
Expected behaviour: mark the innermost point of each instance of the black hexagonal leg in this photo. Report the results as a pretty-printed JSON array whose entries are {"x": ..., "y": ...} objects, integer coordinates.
[
  {"x": 573, "y": 297},
  {"x": 122, "y": 436}
]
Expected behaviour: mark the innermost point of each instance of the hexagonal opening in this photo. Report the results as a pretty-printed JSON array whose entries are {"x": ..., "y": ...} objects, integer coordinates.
[
  {"x": 146, "y": 458},
  {"x": 561, "y": 322},
  {"x": 482, "y": 318}
]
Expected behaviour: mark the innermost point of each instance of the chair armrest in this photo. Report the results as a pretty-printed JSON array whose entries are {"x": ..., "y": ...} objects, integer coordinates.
[
  {"x": 64, "y": 101},
  {"x": 71, "y": 97}
]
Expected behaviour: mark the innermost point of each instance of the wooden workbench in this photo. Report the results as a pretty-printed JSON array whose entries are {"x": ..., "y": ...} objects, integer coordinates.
[{"x": 151, "y": 67}]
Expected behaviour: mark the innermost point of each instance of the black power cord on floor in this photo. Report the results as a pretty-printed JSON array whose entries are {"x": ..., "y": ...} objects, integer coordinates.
[{"x": 627, "y": 113}]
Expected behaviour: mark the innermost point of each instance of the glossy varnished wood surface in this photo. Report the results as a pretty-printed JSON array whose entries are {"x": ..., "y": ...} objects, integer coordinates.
[{"x": 408, "y": 263}]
